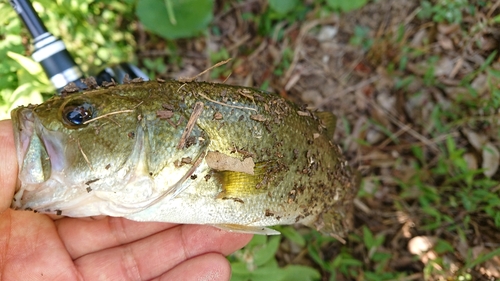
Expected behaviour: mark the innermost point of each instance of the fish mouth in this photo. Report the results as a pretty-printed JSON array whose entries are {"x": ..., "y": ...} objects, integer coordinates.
[
  {"x": 37, "y": 148},
  {"x": 23, "y": 123}
]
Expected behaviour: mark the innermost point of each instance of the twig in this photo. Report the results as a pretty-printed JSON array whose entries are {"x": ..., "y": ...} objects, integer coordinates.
[
  {"x": 191, "y": 79},
  {"x": 225, "y": 80},
  {"x": 198, "y": 108},
  {"x": 492, "y": 9},
  {"x": 225, "y": 104},
  {"x": 108, "y": 114},
  {"x": 83, "y": 154},
  {"x": 392, "y": 137}
]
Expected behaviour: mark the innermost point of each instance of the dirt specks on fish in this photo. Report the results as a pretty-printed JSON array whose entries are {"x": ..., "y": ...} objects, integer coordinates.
[
  {"x": 91, "y": 181},
  {"x": 164, "y": 114},
  {"x": 303, "y": 113},
  {"x": 268, "y": 213},
  {"x": 218, "y": 116},
  {"x": 258, "y": 117},
  {"x": 234, "y": 199},
  {"x": 186, "y": 160},
  {"x": 137, "y": 80},
  {"x": 107, "y": 84},
  {"x": 244, "y": 152}
]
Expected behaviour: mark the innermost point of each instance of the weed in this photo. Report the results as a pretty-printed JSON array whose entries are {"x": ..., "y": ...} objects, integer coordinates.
[
  {"x": 154, "y": 66},
  {"x": 361, "y": 38},
  {"x": 90, "y": 30},
  {"x": 257, "y": 262},
  {"x": 449, "y": 11}
]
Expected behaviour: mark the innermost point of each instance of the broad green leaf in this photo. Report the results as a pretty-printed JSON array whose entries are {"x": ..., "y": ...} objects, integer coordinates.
[
  {"x": 257, "y": 240},
  {"x": 23, "y": 95},
  {"x": 265, "y": 253},
  {"x": 283, "y": 6},
  {"x": 185, "y": 19},
  {"x": 29, "y": 64},
  {"x": 239, "y": 268},
  {"x": 346, "y": 6},
  {"x": 292, "y": 234}
]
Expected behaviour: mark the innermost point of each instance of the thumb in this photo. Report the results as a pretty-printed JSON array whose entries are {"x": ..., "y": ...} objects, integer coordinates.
[{"x": 8, "y": 164}]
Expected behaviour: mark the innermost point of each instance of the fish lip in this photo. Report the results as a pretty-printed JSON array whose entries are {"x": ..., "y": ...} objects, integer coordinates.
[{"x": 23, "y": 121}]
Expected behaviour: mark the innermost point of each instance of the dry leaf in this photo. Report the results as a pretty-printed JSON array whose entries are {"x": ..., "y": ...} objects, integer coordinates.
[
  {"x": 374, "y": 136},
  {"x": 476, "y": 140},
  {"x": 471, "y": 161},
  {"x": 491, "y": 158},
  {"x": 327, "y": 32},
  {"x": 222, "y": 162},
  {"x": 422, "y": 247}
]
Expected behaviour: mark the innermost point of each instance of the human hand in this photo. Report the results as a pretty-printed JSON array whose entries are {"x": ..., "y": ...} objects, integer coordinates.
[{"x": 35, "y": 247}]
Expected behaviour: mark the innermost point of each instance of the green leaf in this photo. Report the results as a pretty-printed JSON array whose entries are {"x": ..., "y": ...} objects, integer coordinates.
[
  {"x": 174, "y": 19},
  {"x": 283, "y": 6},
  {"x": 443, "y": 246},
  {"x": 268, "y": 273},
  {"x": 293, "y": 235},
  {"x": 346, "y": 6},
  {"x": 368, "y": 238},
  {"x": 239, "y": 268},
  {"x": 267, "y": 251},
  {"x": 257, "y": 241},
  {"x": 345, "y": 260},
  {"x": 29, "y": 64},
  {"x": 23, "y": 95},
  {"x": 301, "y": 273}
]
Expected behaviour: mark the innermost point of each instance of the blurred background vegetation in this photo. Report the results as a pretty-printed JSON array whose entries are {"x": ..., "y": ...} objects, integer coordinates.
[{"x": 415, "y": 84}]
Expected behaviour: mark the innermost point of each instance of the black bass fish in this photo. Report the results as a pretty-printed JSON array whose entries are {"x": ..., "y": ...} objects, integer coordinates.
[{"x": 183, "y": 152}]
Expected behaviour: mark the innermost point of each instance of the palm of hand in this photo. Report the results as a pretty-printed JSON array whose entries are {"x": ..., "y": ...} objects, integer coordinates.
[{"x": 34, "y": 247}]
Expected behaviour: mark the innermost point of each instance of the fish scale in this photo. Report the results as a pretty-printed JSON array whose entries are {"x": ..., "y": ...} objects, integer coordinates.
[{"x": 185, "y": 152}]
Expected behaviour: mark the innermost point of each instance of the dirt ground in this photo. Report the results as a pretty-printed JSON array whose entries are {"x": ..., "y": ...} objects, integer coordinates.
[{"x": 379, "y": 122}]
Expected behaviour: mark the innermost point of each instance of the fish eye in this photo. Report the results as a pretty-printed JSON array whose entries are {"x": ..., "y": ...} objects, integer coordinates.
[{"x": 76, "y": 115}]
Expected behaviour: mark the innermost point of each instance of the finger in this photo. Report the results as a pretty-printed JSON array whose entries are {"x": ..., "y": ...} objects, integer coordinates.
[
  {"x": 207, "y": 267},
  {"x": 8, "y": 164},
  {"x": 31, "y": 250},
  {"x": 87, "y": 236},
  {"x": 154, "y": 255}
]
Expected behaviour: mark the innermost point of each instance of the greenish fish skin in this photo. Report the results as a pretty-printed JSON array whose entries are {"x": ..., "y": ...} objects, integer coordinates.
[{"x": 184, "y": 152}]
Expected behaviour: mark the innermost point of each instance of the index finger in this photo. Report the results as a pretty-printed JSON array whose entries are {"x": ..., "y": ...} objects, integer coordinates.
[{"x": 8, "y": 164}]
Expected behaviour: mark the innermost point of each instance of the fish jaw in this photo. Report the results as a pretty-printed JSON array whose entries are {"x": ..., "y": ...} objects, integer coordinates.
[
  {"x": 41, "y": 160},
  {"x": 31, "y": 154}
]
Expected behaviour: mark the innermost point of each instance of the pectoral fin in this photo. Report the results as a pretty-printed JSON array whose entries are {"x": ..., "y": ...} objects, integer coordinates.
[
  {"x": 248, "y": 229},
  {"x": 238, "y": 185}
]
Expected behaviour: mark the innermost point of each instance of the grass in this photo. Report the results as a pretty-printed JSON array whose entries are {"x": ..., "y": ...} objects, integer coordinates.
[{"x": 424, "y": 133}]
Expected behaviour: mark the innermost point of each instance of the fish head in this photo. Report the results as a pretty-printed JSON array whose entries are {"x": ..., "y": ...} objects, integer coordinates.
[{"x": 68, "y": 142}]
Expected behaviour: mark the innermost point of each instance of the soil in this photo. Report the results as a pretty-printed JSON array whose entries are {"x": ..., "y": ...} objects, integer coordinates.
[{"x": 315, "y": 62}]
